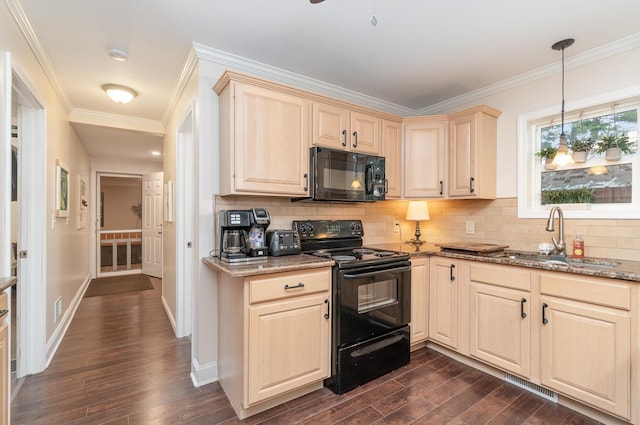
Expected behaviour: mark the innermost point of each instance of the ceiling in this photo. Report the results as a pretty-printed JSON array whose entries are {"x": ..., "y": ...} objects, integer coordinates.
[{"x": 419, "y": 54}]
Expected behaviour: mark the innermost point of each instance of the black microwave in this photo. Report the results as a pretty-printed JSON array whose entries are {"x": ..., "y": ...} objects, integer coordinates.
[{"x": 342, "y": 176}]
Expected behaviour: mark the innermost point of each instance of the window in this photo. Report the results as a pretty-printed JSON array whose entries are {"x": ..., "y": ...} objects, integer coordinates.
[{"x": 595, "y": 186}]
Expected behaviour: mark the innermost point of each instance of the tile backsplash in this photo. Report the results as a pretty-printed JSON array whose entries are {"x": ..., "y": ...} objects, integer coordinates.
[{"x": 494, "y": 221}]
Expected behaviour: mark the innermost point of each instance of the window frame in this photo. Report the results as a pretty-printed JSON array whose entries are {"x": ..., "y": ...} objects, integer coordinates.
[{"x": 530, "y": 167}]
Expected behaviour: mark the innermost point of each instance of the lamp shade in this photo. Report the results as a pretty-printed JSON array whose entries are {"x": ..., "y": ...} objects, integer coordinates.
[{"x": 418, "y": 210}]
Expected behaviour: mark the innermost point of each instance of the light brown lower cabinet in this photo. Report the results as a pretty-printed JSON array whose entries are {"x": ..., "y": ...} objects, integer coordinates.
[
  {"x": 274, "y": 333},
  {"x": 4, "y": 373},
  {"x": 419, "y": 299},
  {"x": 585, "y": 341},
  {"x": 574, "y": 334}
]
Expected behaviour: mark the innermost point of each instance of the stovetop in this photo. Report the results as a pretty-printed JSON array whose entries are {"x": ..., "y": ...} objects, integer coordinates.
[{"x": 341, "y": 240}]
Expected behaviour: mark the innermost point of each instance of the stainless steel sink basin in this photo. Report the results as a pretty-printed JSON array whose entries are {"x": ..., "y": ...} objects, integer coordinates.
[{"x": 563, "y": 261}]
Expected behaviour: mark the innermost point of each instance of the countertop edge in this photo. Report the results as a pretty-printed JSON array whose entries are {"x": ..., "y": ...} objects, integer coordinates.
[
  {"x": 6, "y": 282},
  {"x": 627, "y": 270},
  {"x": 270, "y": 265}
]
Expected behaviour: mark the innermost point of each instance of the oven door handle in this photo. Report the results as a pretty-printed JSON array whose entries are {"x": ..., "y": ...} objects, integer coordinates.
[{"x": 377, "y": 272}]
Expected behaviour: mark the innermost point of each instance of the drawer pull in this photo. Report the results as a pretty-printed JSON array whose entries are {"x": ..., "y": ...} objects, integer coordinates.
[
  {"x": 299, "y": 285},
  {"x": 451, "y": 275},
  {"x": 522, "y": 313}
]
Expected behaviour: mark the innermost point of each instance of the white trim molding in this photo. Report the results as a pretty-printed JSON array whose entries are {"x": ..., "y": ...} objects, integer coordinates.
[{"x": 203, "y": 375}]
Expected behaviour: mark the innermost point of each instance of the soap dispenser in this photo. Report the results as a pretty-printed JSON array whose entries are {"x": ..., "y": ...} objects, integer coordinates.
[{"x": 578, "y": 246}]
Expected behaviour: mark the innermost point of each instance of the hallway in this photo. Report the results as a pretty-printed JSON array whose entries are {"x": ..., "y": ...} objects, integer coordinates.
[{"x": 119, "y": 363}]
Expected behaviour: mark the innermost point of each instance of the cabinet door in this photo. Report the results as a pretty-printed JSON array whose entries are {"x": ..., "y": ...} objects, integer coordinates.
[
  {"x": 500, "y": 327},
  {"x": 419, "y": 299},
  {"x": 585, "y": 353},
  {"x": 271, "y": 141},
  {"x": 472, "y": 153},
  {"x": 289, "y": 345},
  {"x": 392, "y": 151},
  {"x": 4, "y": 373},
  {"x": 424, "y": 153},
  {"x": 462, "y": 155},
  {"x": 443, "y": 301},
  {"x": 365, "y": 133},
  {"x": 330, "y": 127}
]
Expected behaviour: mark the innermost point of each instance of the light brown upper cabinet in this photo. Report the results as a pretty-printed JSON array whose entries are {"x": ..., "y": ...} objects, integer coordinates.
[
  {"x": 424, "y": 156},
  {"x": 264, "y": 138},
  {"x": 392, "y": 152},
  {"x": 472, "y": 153},
  {"x": 339, "y": 128}
]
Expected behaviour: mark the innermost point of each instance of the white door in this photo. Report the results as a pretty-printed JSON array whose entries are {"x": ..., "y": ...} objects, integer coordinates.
[
  {"x": 152, "y": 185},
  {"x": 5, "y": 162}
]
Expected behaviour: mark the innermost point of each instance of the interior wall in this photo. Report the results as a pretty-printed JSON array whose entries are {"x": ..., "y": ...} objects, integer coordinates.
[{"x": 118, "y": 201}]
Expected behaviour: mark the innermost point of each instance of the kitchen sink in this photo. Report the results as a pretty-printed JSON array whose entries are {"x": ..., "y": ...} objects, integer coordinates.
[{"x": 561, "y": 260}]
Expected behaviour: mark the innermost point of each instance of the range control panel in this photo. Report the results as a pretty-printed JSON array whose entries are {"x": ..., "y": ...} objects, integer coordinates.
[{"x": 328, "y": 229}]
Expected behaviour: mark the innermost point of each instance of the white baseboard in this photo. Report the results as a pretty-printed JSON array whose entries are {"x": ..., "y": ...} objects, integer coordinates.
[
  {"x": 65, "y": 321},
  {"x": 203, "y": 375},
  {"x": 167, "y": 310}
]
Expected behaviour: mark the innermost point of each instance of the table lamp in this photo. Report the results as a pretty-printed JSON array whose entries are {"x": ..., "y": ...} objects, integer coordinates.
[{"x": 417, "y": 210}]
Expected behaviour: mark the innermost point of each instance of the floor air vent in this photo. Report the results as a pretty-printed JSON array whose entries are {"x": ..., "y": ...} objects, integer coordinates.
[{"x": 533, "y": 388}]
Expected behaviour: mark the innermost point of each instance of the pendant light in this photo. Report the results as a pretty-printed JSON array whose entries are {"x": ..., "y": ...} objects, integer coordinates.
[{"x": 562, "y": 156}]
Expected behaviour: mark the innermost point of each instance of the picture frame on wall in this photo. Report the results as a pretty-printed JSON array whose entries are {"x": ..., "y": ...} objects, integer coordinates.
[
  {"x": 83, "y": 202},
  {"x": 62, "y": 189}
]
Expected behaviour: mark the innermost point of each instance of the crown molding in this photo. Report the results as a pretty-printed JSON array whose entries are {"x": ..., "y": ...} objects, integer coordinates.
[
  {"x": 183, "y": 78},
  {"x": 85, "y": 116},
  {"x": 38, "y": 51},
  {"x": 259, "y": 69},
  {"x": 616, "y": 47}
]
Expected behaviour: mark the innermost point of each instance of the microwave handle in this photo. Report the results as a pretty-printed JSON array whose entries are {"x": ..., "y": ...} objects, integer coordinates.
[{"x": 368, "y": 179}]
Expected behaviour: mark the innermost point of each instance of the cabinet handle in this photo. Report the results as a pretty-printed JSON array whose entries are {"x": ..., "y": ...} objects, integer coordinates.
[
  {"x": 355, "y": 134},
  {"x": 344, "y": 137},
  {"x": 299, "y": 285},
  {"x": 441, "y": 187},
  {"x": 544, "y": 319},
  {"x": 306, "y": 182},
  {"x": 522, "y": 313},
  {"x": 472, "y": 183},
  {"x": 451, "y": 276},
  {"x": 326, "y": 315}
]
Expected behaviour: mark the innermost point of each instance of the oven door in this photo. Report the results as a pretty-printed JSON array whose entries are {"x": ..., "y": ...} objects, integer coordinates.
[
  {"x": 346, "y": 176},
  {"x": 372, "y": 301}
]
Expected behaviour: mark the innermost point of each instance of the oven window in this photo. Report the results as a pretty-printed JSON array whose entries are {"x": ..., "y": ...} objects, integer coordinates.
[{"x": 377, "y": 295}]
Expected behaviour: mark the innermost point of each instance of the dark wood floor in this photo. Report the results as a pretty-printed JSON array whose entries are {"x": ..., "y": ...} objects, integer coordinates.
[{"x": 120, "y": 364}]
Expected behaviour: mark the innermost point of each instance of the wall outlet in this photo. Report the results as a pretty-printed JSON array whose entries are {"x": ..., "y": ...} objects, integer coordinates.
[
  {"x": 470, "y": 228},
  {"x": 396, "y": 226},
  {"x": 57, "y": 309}
]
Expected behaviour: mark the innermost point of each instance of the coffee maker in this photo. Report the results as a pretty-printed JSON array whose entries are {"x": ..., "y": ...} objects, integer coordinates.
[{"x": 242, "y": 234}]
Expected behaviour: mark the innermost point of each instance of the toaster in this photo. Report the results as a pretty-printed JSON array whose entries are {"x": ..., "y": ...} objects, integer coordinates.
[{"x": 283, "y": 242}]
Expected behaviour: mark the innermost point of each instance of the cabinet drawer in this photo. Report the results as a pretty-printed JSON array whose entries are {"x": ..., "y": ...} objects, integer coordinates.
[
  {"x": 292, "y": 284},
  {"x": 509, "y": 277},
  {"x": 606, "y": 292}
]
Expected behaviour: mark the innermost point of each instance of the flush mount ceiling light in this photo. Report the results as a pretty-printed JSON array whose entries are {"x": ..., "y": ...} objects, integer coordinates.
[
  {"x": 562, "y": 156},
  {"x": 118, "y": 54},
  {"x": 118, "y": 93}
]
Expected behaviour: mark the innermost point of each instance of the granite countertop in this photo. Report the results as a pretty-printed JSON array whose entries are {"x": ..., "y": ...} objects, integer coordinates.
[
  {"x": 269, "y": 265},
  {"x": 624, "y": 270},
  {"x": 6, "y": 282}
]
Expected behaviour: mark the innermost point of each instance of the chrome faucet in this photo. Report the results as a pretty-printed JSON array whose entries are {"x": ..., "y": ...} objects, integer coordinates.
[{"x": 560, "y": 245}]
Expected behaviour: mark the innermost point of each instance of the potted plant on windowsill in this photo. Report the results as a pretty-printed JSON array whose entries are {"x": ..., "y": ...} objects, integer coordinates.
[
  {"x": 580, "y": 149},
  {"x": 613, "y": 146},
  {"x": 548, "y": 153}
]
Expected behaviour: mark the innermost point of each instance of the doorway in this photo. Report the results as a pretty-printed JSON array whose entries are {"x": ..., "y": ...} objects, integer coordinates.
[{"x": 119, "y": 241}]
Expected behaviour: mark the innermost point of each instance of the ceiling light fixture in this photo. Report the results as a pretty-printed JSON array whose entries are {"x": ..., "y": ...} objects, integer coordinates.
[
  {"x": 155, "y": 153},
  {"x": 118, "y": 93},
  {"x": 562, "y": 156},
  {"x": 118, "y": 54},
  {"x": 374, "y": 20}
]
